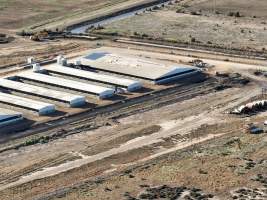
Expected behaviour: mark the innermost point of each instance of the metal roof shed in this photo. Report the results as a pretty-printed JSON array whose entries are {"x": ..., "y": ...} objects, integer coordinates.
[
  {"x": 102, "y": 92},
  {"x": 28, "y": 104},
  {"x": 9, "y": 116},
  {"x": 70, "y": 99},
  {"x": 135, "y": 67},
  {"x": 130, "y": 85}
]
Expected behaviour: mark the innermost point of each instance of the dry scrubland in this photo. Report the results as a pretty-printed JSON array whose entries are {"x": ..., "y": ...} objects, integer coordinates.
[
  {"x": 196, "y": 21},
  {"x": 214, "y": 171},
  {"x": 15, "y": 14}
]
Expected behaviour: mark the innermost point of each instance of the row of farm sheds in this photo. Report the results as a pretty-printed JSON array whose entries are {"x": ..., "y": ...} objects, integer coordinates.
[{"x": 41, "y": 90}]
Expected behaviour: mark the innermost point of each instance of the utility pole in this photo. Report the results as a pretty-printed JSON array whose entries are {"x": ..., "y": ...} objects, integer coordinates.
[
  {"x": 214, "y": 6},
  {"x": 264, "y": 92}
]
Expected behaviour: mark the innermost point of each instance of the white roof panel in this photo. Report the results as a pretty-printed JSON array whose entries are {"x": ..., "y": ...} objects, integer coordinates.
[
  {"x": 40, "y": 91},
  {"x": 93, "y": 76},
  {"x": 24, "y": 102},
  {"x": 74, "y": 85},
  {"x": 130, "y": 65}
]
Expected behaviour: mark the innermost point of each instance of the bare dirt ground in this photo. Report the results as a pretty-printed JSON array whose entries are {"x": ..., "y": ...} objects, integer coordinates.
[
  {"x": 196, "y": 22},
  {"x": 215, "y": 169},
  {"x": 12, "y": 54},
  {"x": 40, "y": 14}
]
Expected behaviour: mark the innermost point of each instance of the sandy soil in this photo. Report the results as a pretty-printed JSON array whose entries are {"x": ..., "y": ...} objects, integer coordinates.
[
  {"x": 176, "y": 23},
  {"x": 214, "y": 168},
  {"x": 31, "y": 12},
  {"x": 246, "y": 8},
  {"x": 39, "y": 14}
]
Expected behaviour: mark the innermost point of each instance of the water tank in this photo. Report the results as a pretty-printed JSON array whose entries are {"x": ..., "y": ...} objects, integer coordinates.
[
  {"x": 30, "y": 60},
  {"x": 59, "y": 59},
  {"x": 64, "y": 62},
  {"x": 36, "y": 67}
]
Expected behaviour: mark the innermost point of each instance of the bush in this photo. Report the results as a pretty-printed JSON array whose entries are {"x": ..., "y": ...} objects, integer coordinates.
[
  {"x": 193, "y": 39},
  {"x": 24, "y": 33},
  {"x": 237, "y": 14},
  {"x": 231, "y": 14},
  {"x": 144, "y": 35},
  {"x": 234, "y": 14}
]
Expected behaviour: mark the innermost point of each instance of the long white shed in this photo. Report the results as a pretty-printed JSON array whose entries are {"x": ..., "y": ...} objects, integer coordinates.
[
  {"x": 102, "y": 92},
  {"x": 63, "y": 97},
  {"x": 28, "y": 104},
  {"x": 130, "y": 85}
]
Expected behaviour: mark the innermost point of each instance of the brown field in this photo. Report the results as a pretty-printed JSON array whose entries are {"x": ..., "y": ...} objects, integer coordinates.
[
  {"x": 250, "y": 8},
  {"x": 196, "y": 22},
  {"x": 17, "y": 14}
]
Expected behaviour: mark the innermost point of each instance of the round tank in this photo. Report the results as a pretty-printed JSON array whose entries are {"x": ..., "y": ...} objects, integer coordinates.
[
  {"x": 36, "y": 67},
  {"x": 30, "y": 60}
]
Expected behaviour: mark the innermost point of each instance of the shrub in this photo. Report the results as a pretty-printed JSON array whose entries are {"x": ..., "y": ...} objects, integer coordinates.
[
  {"x": 193, "y": 39},
  {"x": 144, "y": 35}
]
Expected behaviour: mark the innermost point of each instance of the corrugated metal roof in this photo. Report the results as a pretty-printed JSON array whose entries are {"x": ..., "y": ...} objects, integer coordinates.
[
  {"x": 40, "y": 91},
  {"x": 62, "y": 82},
  {"x": 92, "y": 76},
  {"x": 24, "y": 102},
  {"x": 131, "y": 65}
]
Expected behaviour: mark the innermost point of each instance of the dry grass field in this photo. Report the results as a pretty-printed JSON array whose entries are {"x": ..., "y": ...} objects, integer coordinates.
[
  {"x": 198, "y": 22},
  {"x": 250, "y": 8},
  {"x": 17, "y": 14}
]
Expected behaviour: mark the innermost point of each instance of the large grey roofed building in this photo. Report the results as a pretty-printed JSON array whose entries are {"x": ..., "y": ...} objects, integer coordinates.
[{"x": 135, "y": 67}]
